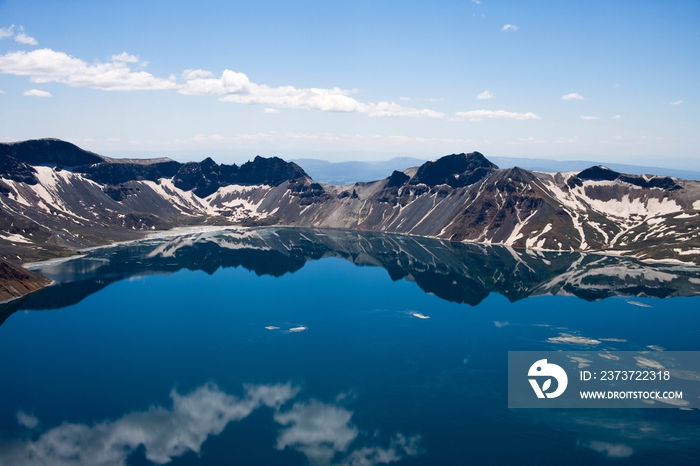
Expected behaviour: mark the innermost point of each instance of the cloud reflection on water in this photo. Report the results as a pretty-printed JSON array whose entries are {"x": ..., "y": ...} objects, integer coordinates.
[{"x": 321, "y": 431}]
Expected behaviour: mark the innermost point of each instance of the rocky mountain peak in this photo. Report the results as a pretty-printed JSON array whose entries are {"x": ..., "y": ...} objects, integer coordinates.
[
  {"x": 456, "y": 170},
  {"x": 271, "y": 171},
  {"x": 49, "y": 152},
  {"x": 601, "y": 173}
]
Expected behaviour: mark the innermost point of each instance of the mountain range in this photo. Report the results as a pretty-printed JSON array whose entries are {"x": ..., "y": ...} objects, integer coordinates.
[
  {"x": 56, "y": 199},
  {"x": 324, "y": 171}
]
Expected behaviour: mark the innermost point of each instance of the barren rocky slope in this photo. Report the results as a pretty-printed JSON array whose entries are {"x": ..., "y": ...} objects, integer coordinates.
[{"x": 56, "y": 198}]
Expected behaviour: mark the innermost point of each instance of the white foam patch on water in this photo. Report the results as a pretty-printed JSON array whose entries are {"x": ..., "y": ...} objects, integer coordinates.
[
  {"x": 637, "y": 303},
  {"x": 646, "y": 363},
  {"x": 419, "y": 315},
  {"x": 581, "y": 362},
  {"x": 567, "y": 338}
]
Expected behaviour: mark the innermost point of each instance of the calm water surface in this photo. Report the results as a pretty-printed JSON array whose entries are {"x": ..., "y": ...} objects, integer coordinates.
[{"x": 308, "y": 347}]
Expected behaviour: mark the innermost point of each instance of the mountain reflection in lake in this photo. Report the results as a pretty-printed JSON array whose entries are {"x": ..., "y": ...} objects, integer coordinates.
[
  {"x": 402, "y": 360},
  {"x": 457, "y": 272}
]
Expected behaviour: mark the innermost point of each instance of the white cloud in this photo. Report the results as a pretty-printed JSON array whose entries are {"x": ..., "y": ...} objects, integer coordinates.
[
  {"x": 1, "y": 91},
  {"x": 46, "y": 65},
  {"x": 479, "y": 115},
  {"x": 478, "y": 2},
  {"x": 322, "y": 431},
  {"x": 22, "y": 38},
  {"x": 125, "y": 57},
  {"x": 572, "y": 96},
  {"x": 617, "y": 117},
  {"x": 27, "y": 420},
  {"x": 7, "y": 32},
  {"x": 194, "y": 74},
  {"x": 271, "y": 111},
  {"x": 236, "y": 87},
  {"x": 165, "y": 433},
  {"x": 318, "y": 430},
  {"x": 486, "y": 95},
  {"x": 676, "y": 102},
  {"x": 404, "y": 98},
  {"x": 611, "y": 450},
  {"x": 587, "y": 117},
  {"x": 36, "y": 93},
  {"x": 509, "y": 28}
]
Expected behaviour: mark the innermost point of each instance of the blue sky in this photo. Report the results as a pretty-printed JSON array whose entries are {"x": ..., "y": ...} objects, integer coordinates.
[{"x": 610, "y": 81}]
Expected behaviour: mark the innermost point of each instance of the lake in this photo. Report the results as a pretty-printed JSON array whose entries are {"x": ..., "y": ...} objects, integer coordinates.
[{"x": 298, "y": 346}]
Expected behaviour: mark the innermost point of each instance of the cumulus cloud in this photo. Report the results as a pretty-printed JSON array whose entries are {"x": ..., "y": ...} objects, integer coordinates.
[
  {"x": 316, "y": 429},
  {"x": 588, "y": 117},
  {"x": 20, "y": 37},
  {"x": 7, "y": 32},
  {"x": 509, "y": 28},
  {"x": 486, "y": 95},
  {"x": 165, "y": 433},
  {"x": 271, "y": 111},
  {"x": 676, "y": 102},
  {"x": 236, "y": 87},
  {"x": 23, "y": 38},
  {"x": 27, "y": 420},
  {"x": 125, "y": 57},
  {"x": 194, "y": 74},
  {"x": 404, "y": 98},
  {"x": 572, "y": 96},
  {"x": 617, "y": 117},
  {"x": 611, "y": 450},
  {"x": 36, "y": 93},
  {"x": 323, "y": 432},
  {"x": 46, "y": 65}
]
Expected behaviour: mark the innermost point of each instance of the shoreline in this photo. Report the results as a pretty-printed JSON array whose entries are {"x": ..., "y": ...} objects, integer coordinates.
[{"x": 185, "y": 230}]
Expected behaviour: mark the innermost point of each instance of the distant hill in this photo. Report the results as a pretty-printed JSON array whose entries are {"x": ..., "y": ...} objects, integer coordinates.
[{"x": 324, "y": 171}]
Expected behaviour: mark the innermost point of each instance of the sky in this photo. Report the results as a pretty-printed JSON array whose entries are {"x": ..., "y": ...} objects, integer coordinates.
[{"x": 596, "y": 80}]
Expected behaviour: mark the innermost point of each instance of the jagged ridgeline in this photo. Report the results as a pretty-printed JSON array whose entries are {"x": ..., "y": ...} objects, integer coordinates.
[
  {"x": 56, "y": 198},
  {"x": 458, "y": 272}
]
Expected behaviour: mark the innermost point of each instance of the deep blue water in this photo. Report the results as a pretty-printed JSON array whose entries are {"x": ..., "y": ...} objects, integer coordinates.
[{"x": 366, "y": 382}]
